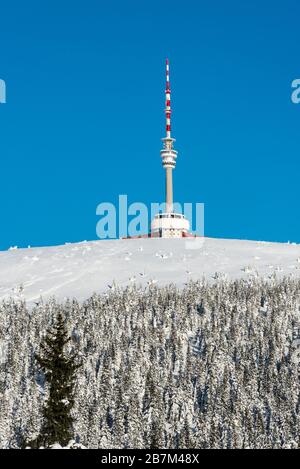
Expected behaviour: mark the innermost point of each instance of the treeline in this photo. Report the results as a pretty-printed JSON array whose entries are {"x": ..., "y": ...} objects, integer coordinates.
[{"x": 208, "y": 366}]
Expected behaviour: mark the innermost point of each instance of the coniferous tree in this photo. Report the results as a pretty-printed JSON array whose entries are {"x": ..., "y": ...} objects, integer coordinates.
[{"x": 60, "y": 370}]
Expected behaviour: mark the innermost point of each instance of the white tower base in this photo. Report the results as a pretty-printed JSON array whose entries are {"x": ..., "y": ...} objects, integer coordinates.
[{"x": 169, "y": 225}]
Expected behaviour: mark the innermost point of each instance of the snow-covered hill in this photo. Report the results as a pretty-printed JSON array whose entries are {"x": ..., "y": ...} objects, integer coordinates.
[{"x": 78, "y": 270}]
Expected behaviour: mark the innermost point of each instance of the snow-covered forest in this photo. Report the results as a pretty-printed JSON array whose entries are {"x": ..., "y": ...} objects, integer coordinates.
[{"x": 206, "y": 366}]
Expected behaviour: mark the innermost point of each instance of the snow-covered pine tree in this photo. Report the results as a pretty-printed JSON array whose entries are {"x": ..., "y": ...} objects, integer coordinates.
[{"x": 60, "y": 369}]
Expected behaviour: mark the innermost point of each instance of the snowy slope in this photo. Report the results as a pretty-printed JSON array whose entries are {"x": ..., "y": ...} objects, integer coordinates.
[{"x": 78, "y": 270}]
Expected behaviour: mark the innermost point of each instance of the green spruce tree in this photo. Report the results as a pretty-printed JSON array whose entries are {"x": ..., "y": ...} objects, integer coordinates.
[{"x": 60, "y": 372}]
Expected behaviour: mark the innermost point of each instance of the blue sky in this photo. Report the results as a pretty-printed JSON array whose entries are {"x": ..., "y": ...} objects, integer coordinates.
[{"x": 84, "y": 114}]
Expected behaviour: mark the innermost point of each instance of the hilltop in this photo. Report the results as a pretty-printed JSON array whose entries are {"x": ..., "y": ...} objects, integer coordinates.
[{"x": 78, "y": 270}]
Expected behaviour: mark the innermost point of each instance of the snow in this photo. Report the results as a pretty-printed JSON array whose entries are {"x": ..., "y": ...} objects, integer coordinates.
[
  {"x": 78, "y": 270},
  {"x": 71, "y": 445}
]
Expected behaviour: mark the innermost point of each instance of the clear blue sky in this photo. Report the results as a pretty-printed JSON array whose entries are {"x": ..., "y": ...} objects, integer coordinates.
[{"x": 84, "y": 113}]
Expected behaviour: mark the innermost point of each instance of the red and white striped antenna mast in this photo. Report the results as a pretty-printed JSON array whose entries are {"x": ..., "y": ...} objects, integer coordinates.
[{"x": 168, "y": 101}]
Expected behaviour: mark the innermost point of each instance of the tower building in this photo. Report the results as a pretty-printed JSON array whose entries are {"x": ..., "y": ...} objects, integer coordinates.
[{"x": 169, "y": 224}]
